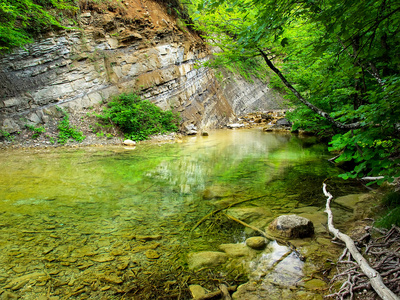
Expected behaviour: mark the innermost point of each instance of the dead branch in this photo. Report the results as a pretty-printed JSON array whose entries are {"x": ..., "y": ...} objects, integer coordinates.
[
  {"x": 223, "y": 208},
  {"x": 269, "y": 237},
  {"x": 263, "y": 233},
  {"x": 218, "y": 293},
  {"x": 374, "y": 277}
]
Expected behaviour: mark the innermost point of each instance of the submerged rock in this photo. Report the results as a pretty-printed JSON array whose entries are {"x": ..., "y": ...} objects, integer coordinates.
[
  {"x": 292, "y": 226},
  {"x": 103, "y": 258},
  {"x": 197, "y": 291},
  {"x": 237, "y": 250},
  {"x": 146, "y": 238},
  {"x": 256, "y": 242},
  {"x": 152, "y": 254},
  {"x": 19, "y": 282},
  {"x": 249, "y": 214},
  {"x": 206, "y": 259},
  {"x": 315, "y": 284},
  {"x": 216, "y": 192},
  {"x": 112, "y": 278}
]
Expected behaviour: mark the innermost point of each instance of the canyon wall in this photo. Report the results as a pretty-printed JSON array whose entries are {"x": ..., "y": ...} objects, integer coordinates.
[{"x": 139, "y": 48}]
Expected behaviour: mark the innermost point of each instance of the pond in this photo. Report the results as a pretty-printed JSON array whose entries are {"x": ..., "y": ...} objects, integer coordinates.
[{"x": 119, "y": 223}]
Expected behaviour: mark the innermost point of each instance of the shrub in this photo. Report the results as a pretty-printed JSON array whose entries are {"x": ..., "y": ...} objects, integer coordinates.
[
  {"x": 66, "y": 131},
  {"x": 6, "y": 135},
  {"x": 138, "y": 119},
  {"x": 36, "y": 130}
]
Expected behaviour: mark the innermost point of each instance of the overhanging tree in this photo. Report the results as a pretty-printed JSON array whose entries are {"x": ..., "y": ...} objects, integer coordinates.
[
  {"x": 21, "y": 20},
  {"x": 340, "y": 59}
]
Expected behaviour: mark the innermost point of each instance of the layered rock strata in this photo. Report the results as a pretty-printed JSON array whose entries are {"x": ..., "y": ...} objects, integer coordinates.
[{"x": 139, "y": 48}]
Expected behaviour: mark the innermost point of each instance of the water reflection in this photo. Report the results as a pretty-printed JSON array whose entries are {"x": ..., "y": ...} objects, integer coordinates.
[{"x": 73, "y": 215}]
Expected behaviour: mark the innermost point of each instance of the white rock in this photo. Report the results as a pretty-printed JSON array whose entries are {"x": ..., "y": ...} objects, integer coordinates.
[
  {"x": 235, "y": 125},
  {"x": 129, "y": 143}
]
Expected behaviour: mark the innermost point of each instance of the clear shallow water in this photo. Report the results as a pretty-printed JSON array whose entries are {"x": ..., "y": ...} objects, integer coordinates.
[{"x": 71, "y": 216}]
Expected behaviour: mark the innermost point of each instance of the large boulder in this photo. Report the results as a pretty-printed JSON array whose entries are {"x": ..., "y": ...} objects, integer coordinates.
[
  {"x": 292, "y": 226},
  {"x": 284, "y": 122}
]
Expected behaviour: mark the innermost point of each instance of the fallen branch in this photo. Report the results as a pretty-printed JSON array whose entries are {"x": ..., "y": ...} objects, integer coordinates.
[
  {"x": 216, "y": 294},
  {"x": 263, "y": 233},
  {"x": 372, "y": 178},
  {"x": 223, "y": 208},
  {"x": 269, "y": 237},
  {"x": 373, "y": 276}
]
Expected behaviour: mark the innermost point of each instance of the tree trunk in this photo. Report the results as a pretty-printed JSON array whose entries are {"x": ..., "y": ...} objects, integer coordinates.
[{"x": 304, "y": 101}]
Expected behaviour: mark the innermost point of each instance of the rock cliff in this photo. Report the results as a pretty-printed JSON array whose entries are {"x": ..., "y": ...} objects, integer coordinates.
[{"x": 133, "y": 47}]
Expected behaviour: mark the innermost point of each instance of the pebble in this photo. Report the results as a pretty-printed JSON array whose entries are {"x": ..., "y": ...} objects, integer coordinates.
[
  {"x": 256, "y": 242},
  {"x": 197, "y": 291},
  {"x": 152, "y": 254},
  {"x": 112, "y": 279},
  {"x": 103, "y": 258},
  {"x": 149, "y": 237}
]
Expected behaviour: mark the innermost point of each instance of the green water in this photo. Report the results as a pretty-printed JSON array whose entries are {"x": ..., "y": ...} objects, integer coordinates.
[{"x": 70, "y": 217}]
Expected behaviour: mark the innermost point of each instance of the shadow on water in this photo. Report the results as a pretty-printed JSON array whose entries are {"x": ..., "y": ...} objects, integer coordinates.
[{"x": 115, "y": 223}]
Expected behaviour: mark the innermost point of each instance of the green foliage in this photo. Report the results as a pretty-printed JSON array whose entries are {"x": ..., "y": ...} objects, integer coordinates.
[
  {"x": 137, "y": 118},
  {"x": 391, "y": 218},
  {"x": 66, "y": 131},
  {"x": 51, "y": 139},
  {"x": 391, "y": 200},
  {"x": 8, "y": 136},
  {"x": 391, "y": 204},
  {"x": 37, "y": 131},
  {"x": 341, "y": 56},
  {"x": 21, "y": 20}
]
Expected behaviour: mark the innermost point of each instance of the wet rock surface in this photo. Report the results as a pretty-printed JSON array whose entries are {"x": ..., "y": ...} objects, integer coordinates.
[
  {"x": 206, "y": 259},
  {"x": 292, "y": 226},
  {"x": 257, "y": 242}
]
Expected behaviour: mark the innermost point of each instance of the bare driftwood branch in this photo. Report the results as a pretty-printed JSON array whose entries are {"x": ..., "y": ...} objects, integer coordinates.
[{"x": 373, "y": 276}]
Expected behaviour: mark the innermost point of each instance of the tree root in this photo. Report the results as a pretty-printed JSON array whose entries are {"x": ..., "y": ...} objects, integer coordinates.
[{"x": 363, "y": 276}]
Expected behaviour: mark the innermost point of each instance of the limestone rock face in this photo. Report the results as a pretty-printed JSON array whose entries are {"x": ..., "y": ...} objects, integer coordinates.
[
  {"x": 292, "y": 226},
  {"x": 147, "y": 54},
  {"x": 206, "y": 259}
]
